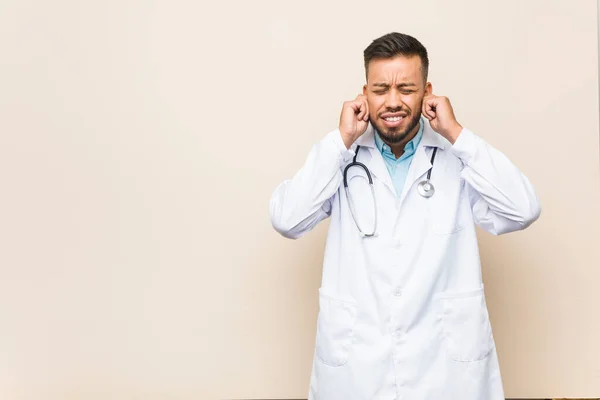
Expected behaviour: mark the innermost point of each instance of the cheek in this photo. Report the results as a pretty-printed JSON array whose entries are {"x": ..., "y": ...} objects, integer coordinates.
[
  {"x": 415, "y": 103},
  {"x": 374, "y": 107}
]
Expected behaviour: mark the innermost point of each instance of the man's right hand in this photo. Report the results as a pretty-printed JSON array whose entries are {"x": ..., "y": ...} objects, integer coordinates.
[{"x": 354, "y": 119}]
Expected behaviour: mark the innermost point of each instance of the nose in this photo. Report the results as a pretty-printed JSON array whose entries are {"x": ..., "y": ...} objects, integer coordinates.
[{"x": 393, "y": 100}]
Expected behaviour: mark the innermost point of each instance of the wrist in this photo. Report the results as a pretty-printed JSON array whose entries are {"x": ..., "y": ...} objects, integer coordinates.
[
  {"x": 338, "y": 143},
  {"x": 346, "y": 139},
  {"x": 454, "y": 132}
]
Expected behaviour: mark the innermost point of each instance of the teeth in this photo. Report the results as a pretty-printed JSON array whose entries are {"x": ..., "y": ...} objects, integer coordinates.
[{"x": 393, "y": 119}]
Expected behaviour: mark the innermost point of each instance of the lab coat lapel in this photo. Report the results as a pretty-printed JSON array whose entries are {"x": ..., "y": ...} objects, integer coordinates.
[
  {"x": 373, "y": 159},
  {"x": 422, "y": 159}
]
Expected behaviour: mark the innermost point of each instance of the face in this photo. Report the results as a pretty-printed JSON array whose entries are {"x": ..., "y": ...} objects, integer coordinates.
[{"x": 395, "y": 90}]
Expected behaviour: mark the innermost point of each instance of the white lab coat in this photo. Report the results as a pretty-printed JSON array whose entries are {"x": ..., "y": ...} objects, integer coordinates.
[{"x": 403, "y": 315}]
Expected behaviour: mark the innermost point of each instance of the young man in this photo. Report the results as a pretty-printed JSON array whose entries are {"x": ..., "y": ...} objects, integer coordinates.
[{"x": 402, "y": 307}]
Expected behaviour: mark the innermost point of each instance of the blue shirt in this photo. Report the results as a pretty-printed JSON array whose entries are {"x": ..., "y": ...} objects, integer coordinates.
[{"x": 398, "y": 168}]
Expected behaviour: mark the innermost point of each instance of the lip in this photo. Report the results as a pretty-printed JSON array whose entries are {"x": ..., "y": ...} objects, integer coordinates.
[
  {"x": 396, "y": 114},
  {"x": 392, "y": 124}
]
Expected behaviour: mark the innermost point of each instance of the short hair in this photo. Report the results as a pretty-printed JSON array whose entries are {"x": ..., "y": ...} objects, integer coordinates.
[{"x": 396, "y": 44}]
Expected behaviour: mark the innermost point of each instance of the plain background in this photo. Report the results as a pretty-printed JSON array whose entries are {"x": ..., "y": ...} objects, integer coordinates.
[{"x": 141, "y": 141}]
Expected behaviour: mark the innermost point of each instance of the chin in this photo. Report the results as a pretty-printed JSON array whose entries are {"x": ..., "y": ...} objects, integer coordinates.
[
  {"x": 391, "y": 135},
  {"x": 398, "y": 133},
  {"x": 395, "y": 137}
]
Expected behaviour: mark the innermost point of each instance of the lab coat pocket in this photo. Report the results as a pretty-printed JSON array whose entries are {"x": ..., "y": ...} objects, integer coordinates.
[
  {"x": 466, "y": 325},
  {"x": 335, "y": 327},
  {"x": 449, "y": 210}
]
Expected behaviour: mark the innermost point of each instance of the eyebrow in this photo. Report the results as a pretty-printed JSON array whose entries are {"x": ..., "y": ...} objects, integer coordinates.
[{"x": 400, "y": 85}]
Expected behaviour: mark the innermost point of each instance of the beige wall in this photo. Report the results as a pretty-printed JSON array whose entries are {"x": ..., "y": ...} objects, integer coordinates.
[{"x": 140, "y": 142}]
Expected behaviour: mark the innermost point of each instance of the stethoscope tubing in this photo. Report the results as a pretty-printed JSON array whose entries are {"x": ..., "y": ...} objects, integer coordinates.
[{"x": 355, "y": 163}]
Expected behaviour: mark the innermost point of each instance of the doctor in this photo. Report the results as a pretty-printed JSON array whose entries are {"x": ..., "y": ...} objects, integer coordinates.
[{"x": 402, "y": 310}]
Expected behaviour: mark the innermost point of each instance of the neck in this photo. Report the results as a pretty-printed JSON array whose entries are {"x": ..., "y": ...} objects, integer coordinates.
[{"x": 398, "y": 148}]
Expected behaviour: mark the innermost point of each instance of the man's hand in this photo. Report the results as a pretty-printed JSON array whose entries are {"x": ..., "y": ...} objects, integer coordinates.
[
  {"x": 440, "y": 114},
  {"x": 354, "y": 119}
]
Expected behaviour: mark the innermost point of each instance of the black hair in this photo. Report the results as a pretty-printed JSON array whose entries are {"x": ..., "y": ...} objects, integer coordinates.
[{"x": 396, "y": 44}]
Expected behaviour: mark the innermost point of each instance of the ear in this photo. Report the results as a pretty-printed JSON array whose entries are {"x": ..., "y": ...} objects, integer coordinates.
[
  {"x": 428, "y": 89},
  {"x": 365, "y": 90}
]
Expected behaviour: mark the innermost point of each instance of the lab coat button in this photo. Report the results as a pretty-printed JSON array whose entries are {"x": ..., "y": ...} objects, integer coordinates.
[{"x": 398, "y": 293}]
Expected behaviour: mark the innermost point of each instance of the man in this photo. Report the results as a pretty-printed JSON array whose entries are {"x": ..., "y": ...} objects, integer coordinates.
[{"x": 402, "y": 313}]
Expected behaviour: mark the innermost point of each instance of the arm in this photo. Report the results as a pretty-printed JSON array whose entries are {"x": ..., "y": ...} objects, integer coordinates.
[
  {"x": 502, "y": 198},
  {"x": 299, "y": 204}
]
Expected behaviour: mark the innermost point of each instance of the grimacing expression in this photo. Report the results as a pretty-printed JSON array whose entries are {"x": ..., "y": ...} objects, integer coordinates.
[{"x": 395, "y": 90}]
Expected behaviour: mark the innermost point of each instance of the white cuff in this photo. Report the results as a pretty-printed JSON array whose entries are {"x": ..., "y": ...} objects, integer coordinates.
[
  {"x": 465, "y": 146},
  {"x": 336, "y": 137}
]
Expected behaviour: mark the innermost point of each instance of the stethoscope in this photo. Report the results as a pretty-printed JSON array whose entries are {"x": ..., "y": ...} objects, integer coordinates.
[{"x": 425, "y": 189}]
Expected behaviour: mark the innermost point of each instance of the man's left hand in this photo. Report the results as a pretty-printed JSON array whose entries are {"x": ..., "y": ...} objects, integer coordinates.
[{"x": 440, "y": 114}]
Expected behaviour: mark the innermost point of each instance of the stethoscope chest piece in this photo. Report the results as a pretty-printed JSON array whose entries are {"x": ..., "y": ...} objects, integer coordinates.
[{"x": 426, "y": 188}]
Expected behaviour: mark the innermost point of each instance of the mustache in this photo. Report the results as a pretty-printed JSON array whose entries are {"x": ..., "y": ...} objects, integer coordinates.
[{"x": 396, "y": 110}]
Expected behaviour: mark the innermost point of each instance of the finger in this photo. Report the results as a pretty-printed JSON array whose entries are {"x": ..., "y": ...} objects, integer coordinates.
[
  {"x": 430, "y": 106},
  {"x": 353, "y": 109},
  {"x": 363, "y": 100},
  {"x": 431, "y": 113},
  {"x": 366, "y": 117},
  {"x": 355, "y": 106},
  {"x": 424, "y": 110},
  {"x": 428, "y": 113},
  {"x": 362, "y": 110}
]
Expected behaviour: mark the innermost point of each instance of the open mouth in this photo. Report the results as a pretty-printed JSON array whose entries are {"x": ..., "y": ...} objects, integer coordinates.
[{"x": 392, "y": 121}]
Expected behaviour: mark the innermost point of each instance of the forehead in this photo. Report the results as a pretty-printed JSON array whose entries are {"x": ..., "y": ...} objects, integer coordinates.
[{"x": 397, "y": 69}]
